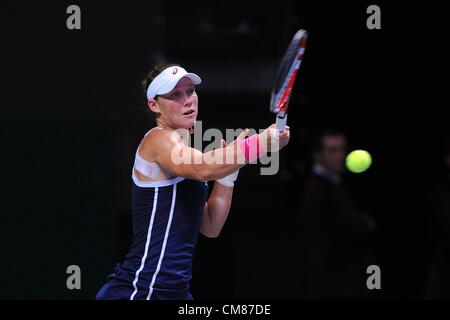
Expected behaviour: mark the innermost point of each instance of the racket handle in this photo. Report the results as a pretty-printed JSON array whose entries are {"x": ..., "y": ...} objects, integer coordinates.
[{"x": 281, "y": 121}]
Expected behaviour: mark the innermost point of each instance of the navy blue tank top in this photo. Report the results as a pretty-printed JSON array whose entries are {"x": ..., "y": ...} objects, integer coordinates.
[{"x": 167, "y": 217}]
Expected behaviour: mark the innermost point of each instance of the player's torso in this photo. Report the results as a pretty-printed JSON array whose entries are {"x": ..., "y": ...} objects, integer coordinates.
[{"x": 167, "y": 217}]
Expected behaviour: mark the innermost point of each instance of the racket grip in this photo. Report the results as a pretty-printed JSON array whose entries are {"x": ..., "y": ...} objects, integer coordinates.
[{"x": 281, "y": 121}]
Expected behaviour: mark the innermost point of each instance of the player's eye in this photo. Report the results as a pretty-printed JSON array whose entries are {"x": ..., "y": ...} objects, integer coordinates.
[
  {"x": 175, "y": 95},
  {"x": 190, "y": 92}
]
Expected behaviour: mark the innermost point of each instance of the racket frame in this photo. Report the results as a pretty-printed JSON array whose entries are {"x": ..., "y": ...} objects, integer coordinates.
[{"x": 280, "y": 102}]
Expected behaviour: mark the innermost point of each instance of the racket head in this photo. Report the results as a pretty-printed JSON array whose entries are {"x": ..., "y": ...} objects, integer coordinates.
[{"x": 287, "y": 72}]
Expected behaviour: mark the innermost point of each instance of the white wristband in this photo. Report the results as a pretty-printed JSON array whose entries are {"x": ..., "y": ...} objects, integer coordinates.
[{"x": 229, "y": 180}]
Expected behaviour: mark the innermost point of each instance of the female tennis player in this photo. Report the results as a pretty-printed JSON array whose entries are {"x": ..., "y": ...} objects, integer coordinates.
[{"x": 170, "y": 201}]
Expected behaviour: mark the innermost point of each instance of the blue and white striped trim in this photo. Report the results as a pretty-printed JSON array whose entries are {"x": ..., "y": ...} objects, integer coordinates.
[
  {"x": 149, "y": 236},
  {"x": 166, "y": 236}
]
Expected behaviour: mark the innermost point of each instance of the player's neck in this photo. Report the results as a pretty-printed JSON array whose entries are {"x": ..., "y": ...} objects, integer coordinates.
[{"x": 183, "y": 133}]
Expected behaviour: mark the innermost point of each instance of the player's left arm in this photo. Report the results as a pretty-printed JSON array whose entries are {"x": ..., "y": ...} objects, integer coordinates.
[
  {"x": 218, "y": 205},
  {"x": 216, "y": 210}
]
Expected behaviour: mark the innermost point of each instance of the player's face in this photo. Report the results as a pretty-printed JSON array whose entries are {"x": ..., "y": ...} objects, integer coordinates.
[
  {"x": 179, "y": 107},
  {"x": 332, "y": 156}
]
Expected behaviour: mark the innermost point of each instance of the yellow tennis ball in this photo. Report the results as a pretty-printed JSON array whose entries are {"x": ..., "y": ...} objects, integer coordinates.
[{"x": 358, "y": 161}]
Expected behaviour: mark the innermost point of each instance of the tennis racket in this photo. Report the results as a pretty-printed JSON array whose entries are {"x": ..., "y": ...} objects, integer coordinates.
[{"x": 285, "y": 78}]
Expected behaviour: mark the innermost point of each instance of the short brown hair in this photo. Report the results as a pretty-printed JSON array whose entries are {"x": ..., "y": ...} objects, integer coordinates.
[
  {"x": 151, "y": 75},
  {"x": 154, "y": 72}
]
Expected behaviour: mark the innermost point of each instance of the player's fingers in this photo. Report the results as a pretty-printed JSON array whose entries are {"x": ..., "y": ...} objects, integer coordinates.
[
  {"x": 274, "y": 134},
  {"x": 284, "y": 136},
  {"x": 286, "y": 131},
  {"x": 242, "y": 135},
  {"x": 223, "y": 144}
]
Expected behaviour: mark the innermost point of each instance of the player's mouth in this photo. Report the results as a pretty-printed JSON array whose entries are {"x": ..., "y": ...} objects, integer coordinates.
[{"x": 189, "y": 113}]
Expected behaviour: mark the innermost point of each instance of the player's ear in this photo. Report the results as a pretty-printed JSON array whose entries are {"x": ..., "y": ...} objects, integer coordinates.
[{"x": 153, "y": 105}]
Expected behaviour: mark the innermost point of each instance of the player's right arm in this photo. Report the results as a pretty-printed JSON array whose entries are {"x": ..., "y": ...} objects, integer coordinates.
[
  {"x": 171, "y": 154},
  {"x": 168, "y": 150}
]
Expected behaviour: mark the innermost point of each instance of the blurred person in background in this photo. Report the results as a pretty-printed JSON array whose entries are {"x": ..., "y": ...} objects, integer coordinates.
[{"x": 334, "y": 235}]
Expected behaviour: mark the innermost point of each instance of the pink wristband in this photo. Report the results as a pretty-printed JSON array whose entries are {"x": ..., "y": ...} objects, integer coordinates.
[{"x": 250, "y": 147}]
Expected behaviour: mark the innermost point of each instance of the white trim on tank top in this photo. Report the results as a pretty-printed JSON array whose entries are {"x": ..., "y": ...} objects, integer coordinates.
[
  {"x": 146, "y": 168},
  {"x": 153, "y": 184}
]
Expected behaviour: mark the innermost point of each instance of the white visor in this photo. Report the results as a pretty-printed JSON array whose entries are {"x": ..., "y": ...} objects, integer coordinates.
[{"x": 168, "y": 79}]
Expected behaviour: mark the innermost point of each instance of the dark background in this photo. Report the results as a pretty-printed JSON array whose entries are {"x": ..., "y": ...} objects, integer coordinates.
[{"x": 72, "y": 115}]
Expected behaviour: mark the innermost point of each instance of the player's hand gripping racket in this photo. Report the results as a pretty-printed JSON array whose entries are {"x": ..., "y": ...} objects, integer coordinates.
[{"x": 284, "y": 81}]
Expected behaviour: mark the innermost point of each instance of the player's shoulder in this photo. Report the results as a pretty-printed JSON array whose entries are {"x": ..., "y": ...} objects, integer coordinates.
[
  {"x": 160, "y": 135},
  {"x": 158, "y": 139}
]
